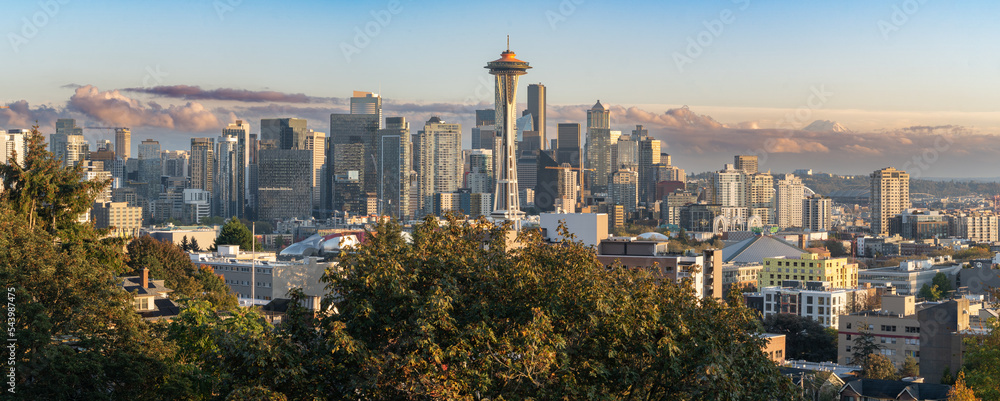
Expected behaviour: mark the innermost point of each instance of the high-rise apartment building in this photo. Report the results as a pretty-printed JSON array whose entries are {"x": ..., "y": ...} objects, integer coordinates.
[
  {"x": 536, "y": 107},
  {"x": 760, "y": 198},
  {"x": 817, "y": 213},
  {"x": 226, "y": 200},
  {"x": 441, "y": 162},
  {"x": 394, "y": 168},
  {"x": 599, "y": 143},
  {"x": 624, "y": 189},
  {"x": 76, "y": 151},
  {"x": 123, "y": 143},
  {"x": 58, "y": 141},
  {"x": 11, "y": 143},
  {"x": 506, "y": 198},
  {"x": 788, "y": 202},
  {"x": 202, "y": 163},
  {"x": 729, "y": 187},
  {"x": 746, "y": 163},
  {"x": 890, "y": 194}
]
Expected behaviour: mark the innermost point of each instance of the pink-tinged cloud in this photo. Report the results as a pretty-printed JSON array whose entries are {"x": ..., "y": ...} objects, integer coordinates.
[
  {"x": 188, "y": 92},
  {"x": 113, "y": 108},
  {"x": 22, "y": 115},
  {"x": 858, "y": 149}
]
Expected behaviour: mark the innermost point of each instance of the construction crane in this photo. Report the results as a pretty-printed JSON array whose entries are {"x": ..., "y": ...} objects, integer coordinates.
[
  {"x": 580, "y": 180},
  {"x": 109, "y": 128}
]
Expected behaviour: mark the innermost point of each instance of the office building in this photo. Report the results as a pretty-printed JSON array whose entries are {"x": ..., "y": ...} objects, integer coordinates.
[
  {"x": 817, "y": 213},
  {"x": 536, "y": 107},
  {"x": 788, "y": 202},
  {"x": 598, "y": 150},
  {"x": 568, "y": 144},
  {"x": 648, "y": 156},
  {"x": 58, "y": 142},
  {"x": 367, "y": 103},
  {"x": 441, "y": 162},
  {"x": 150, "y": 168},
  {"x": 890, "y": 194},
  {"x": 480, "y": 177},
  {"x": 746, "y": 163},
  {"x": 285, "y": 188},
  {"x": 506, "y": 198},
  {"x": 226, "y": 189},
  {"x": 241, "y": 131},
  {"x": 202, "y": 163},
  {"x": 283, "y": 133},
  {"x": 352, "y": 160},
  {"x": 316, "y": 143},
  {"x": 123, "y": 143},
  {"x": 547, "y": 186},
  {"x": 77, "y": 150},
  {"x": 394, "y": 157}
]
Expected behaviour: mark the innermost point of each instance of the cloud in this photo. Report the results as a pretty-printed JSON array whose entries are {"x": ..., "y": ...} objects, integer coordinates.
[
  {"x": 113, "y": 108},
  {"x": 22, "y": 115},
  {"x": 862, "y": 150},
  {"x": 188, "y": 92}
]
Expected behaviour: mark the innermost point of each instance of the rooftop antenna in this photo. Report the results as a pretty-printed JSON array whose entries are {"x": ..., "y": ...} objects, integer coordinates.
[{"x": 508, "y": 42}]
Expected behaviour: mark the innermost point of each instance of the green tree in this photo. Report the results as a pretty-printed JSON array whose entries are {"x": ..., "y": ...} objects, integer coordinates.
[
  {"x": 943, "y": 283},
  {"x": 185, "y": 245},
  {"x": 959, "y": 392},
  {"x": 805, "y": 338},
  {"x": 930, "y": 292},
  {"x": 168, "y": 262},
  {"x": 194, "y": 247},
  {"x": 878, "y": 366},
  {"x": 235, "y": 233},
  {"x": 946, "y": 377},
  {"x": 982, "y": 362},
  {"x": 910, "y": 368},
  {"x": 488, "y": 320},
  {"x": 864, "y": 347},
  {"x": 836, "y": 248}
]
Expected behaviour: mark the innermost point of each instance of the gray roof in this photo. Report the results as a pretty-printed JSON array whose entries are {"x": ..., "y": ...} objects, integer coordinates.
[
  {"x": 755, "y": 249},
  {"x": 893, "y": 389}
]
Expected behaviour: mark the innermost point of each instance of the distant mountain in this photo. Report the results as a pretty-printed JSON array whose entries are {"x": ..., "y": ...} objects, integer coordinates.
[{"x": 826, "y": 126}]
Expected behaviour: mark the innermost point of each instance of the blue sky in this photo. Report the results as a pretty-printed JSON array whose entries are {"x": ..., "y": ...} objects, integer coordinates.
[{"x": 888, "y": 64}]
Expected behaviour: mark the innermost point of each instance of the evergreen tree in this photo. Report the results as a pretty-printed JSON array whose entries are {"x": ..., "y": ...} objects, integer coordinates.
[
  {"x": 235, "y": 233},
  {"x": 878, "y": 366},
  {"x": 910, "y": 368},
  {"x": 864, "y": 347},
  {"x": 194, "y": 247},
  {"x": 185, "y": 245}
]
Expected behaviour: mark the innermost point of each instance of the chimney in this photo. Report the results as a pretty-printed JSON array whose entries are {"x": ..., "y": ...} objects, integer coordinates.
[{"x": 145, "y": 278}]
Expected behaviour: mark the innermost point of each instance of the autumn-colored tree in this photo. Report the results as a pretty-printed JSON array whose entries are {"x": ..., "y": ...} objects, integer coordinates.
[
  {"x": 959, "y": 392},
  {"x": 982, "y": 362}
]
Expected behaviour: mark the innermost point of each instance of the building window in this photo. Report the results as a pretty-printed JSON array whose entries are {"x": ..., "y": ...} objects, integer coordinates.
[
  {"x": 848, "y": 324},
  {"x": 809, "y": 299},
  {"x": 848, "y": 336},
  {"x": 809, "y": 309},
  {"x": 767, "y": 297}
]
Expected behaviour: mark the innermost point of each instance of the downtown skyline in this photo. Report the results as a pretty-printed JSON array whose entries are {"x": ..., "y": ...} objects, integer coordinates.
[{"x": 904, "y": 82}]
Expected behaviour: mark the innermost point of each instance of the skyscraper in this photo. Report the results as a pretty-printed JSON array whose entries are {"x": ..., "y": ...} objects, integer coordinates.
[
  {"x": 649, "y": 156},
  {"x": 598, "y": 147},
  {"x": 367, "y": 103},
  {"x": 788, "y": 201},
  {"x": 316, "y": 142},
  {"x": 817, "y": 211},
  {"x": 202, "y": 163},
  {"x": 394, "y": 161},
  {"x": 351, "y": 173},
  {"x": 890, "y": 194},
  {"x": 506, "y": 69},
  {"x": 226, "y": 191},
  {"x": 283, "y": 133},
  {"x": 285, "y": 183},
  {"x": 484, "y": 132},
  {"x": 536, "y": 106},
  {"x": 569, "y": 144},
  {"x": 123, "y": 143},
  {"x": 76, "y": 150},
  {"x": 760, "y": 197},
  {"x": 624, "y": 189},
  {"x": 729, "y": 187},
  {"x": 241, "y": 131},
  {"x": 58, "y": 141},
  {"x": 440, "y": 161},
  {"x": 150, "y": 168}
]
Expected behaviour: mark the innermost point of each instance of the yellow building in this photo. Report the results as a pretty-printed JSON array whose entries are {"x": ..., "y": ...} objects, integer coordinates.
[{"x": 809, "y": 267}]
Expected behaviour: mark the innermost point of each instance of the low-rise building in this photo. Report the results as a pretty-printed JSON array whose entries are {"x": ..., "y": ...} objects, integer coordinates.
[
  {"x": 122, "y": 219},
  {"x": 813, "y": 300},
  {"x": 589, "y": 228},
  {"x": 150, "y": 297},
  {"x": 910, "y": 275},
  {"x": 654, "y": 255},
  {"x": 258, "y": 277},
  {"x": 775, "y": 348},
  {"x": 809, "y": 267}
]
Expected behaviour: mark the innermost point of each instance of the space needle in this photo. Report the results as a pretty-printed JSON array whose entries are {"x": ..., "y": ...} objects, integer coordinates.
[{"x": 506, "y": 202}]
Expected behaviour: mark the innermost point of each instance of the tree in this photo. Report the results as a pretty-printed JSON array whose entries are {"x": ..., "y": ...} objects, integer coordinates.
[
  {"x": 235, "y": 233},
  {"x": 878, "y": 366},
  {"x": 959, "y": 392},
  {"x": 864, "y": 347},
  {"x": 185, "y": 245},
  {"x": 930, "y": 293},
  {"x": 982, "y": 362},
  {"x": 484, "y": 320},
  {"x": 943, "y": 283},
  {"x": 168, "y": 262},
  {"x": 805, "y": 338},
  {"x": 836, "y": 248},
  {"x": 194, "y": 247},
  {"x": 946, "y": 377},
  {"x": 910, "y": 368}
]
